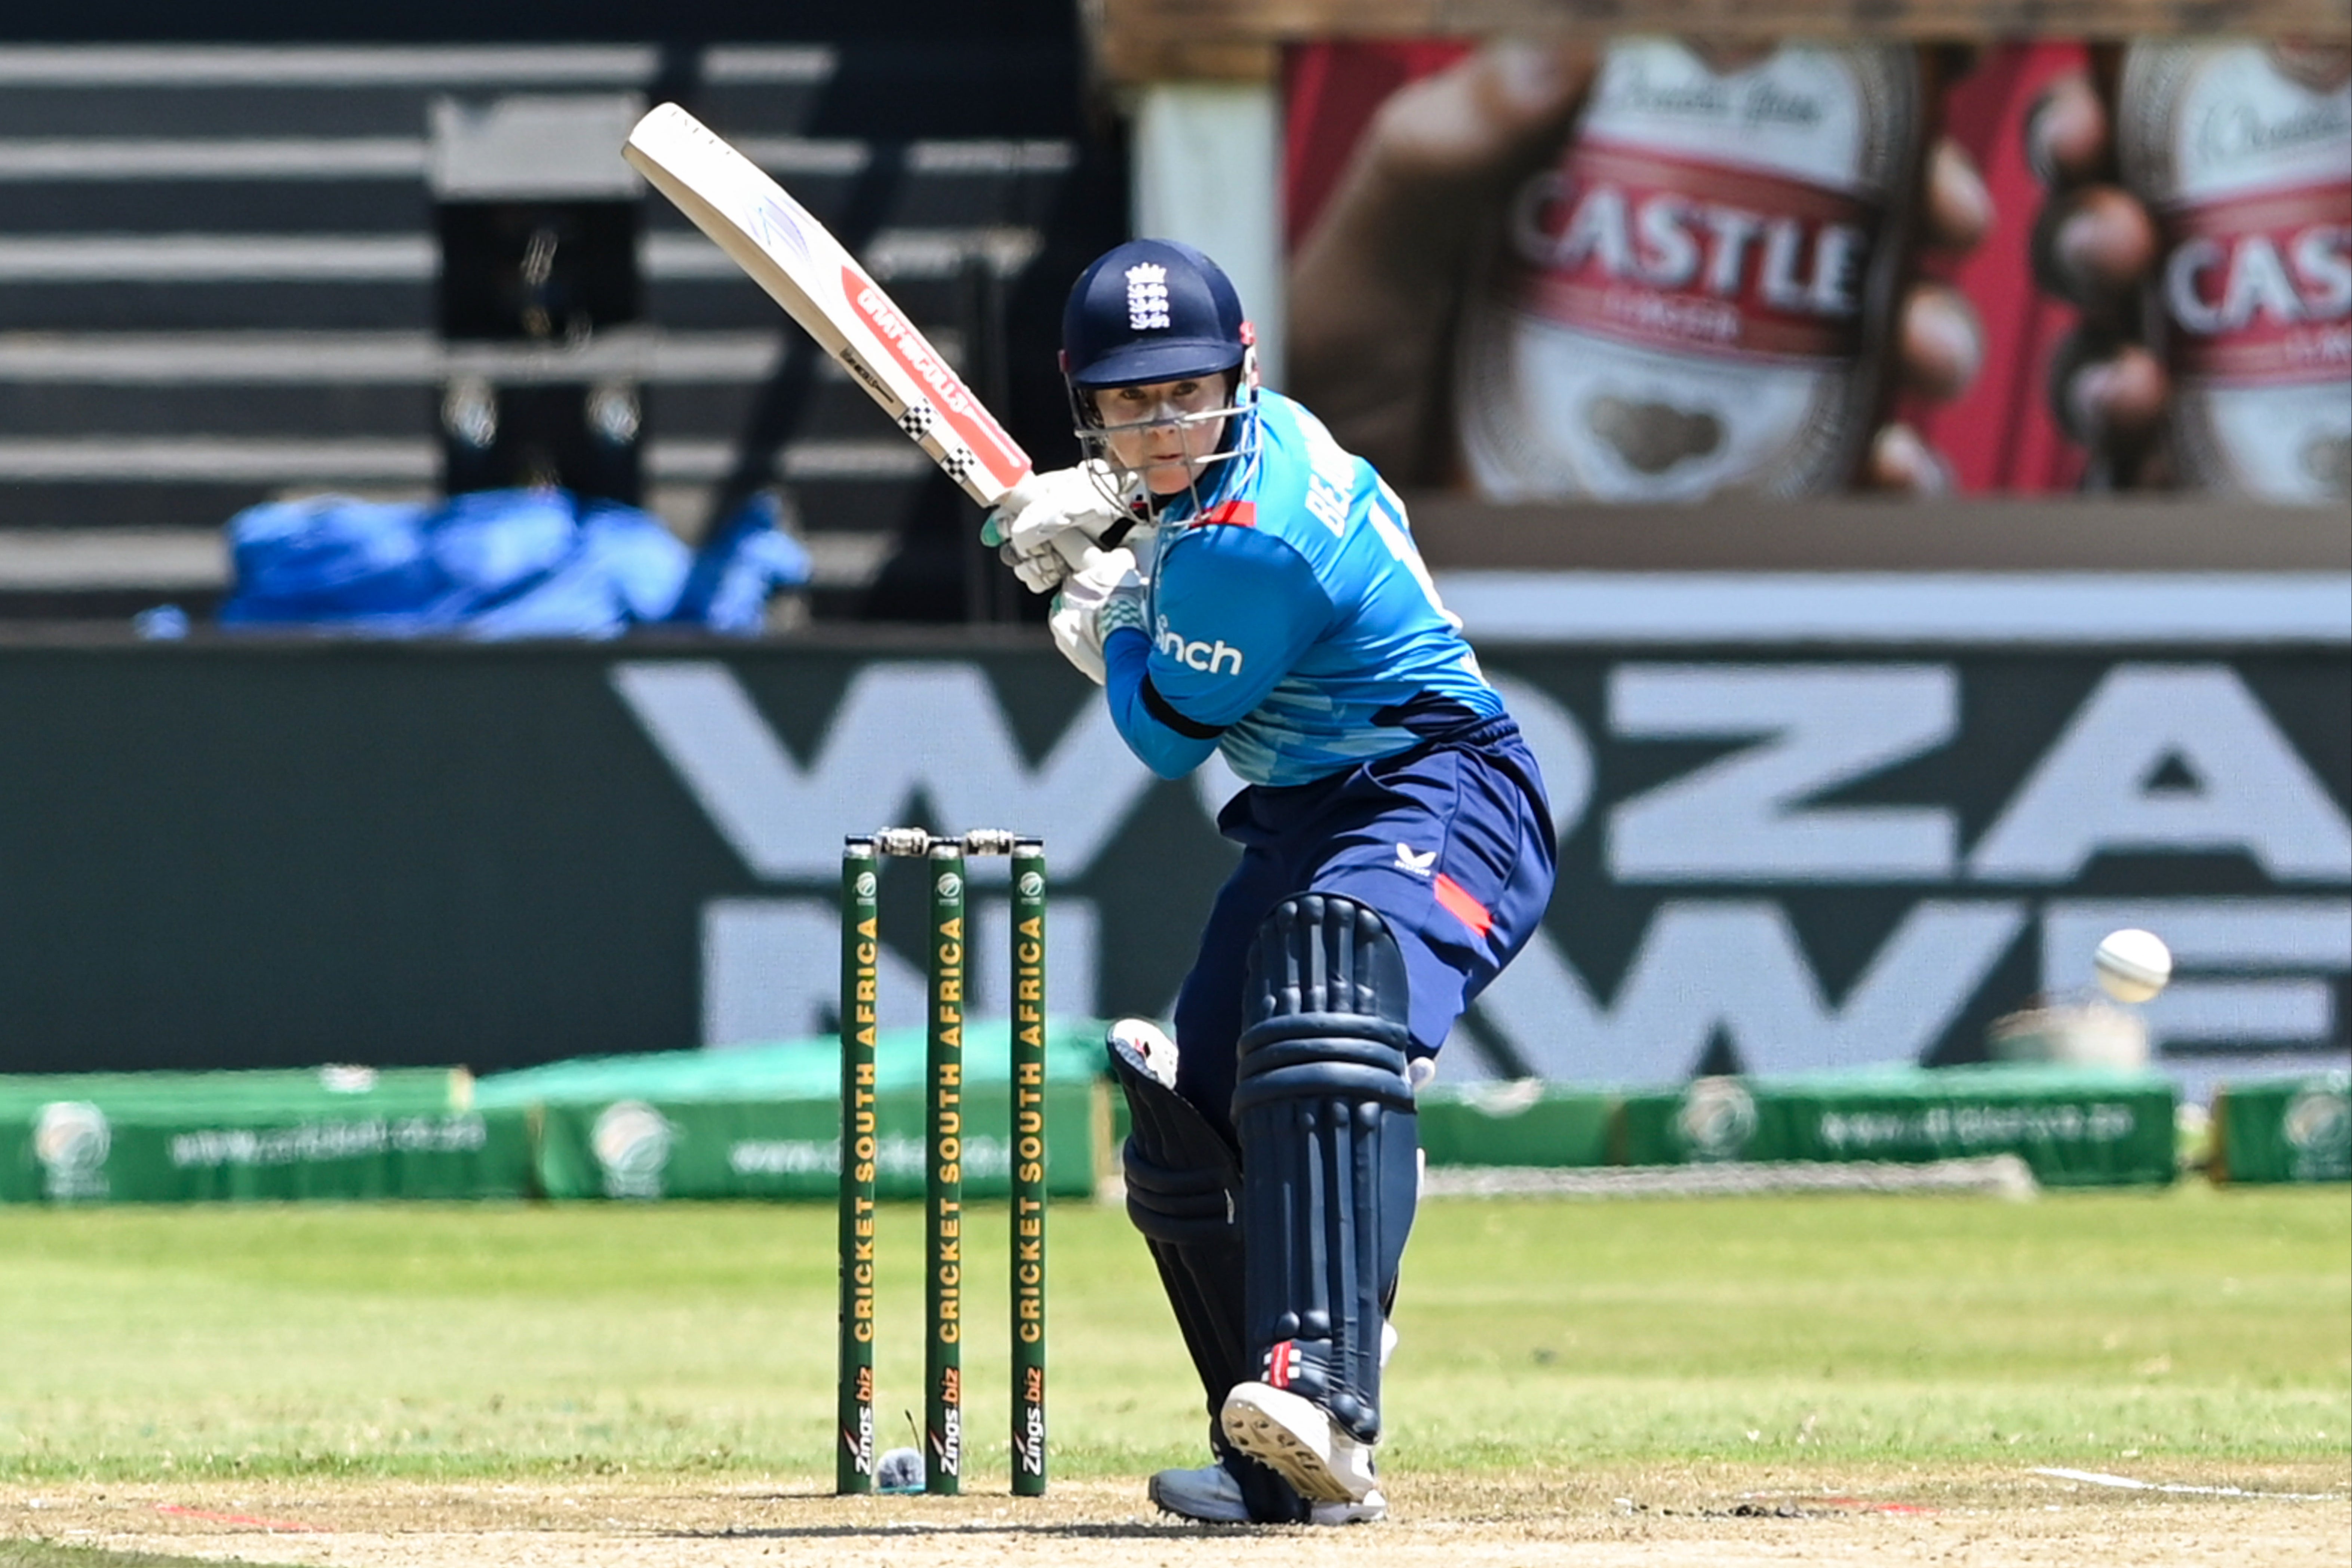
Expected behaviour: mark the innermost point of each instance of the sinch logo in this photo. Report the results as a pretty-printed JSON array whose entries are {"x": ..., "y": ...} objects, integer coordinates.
[{"x": 1198, "y": 655}]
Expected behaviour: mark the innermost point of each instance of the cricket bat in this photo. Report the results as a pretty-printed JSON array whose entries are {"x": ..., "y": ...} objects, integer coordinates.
[{"x": 818, "y": 282}]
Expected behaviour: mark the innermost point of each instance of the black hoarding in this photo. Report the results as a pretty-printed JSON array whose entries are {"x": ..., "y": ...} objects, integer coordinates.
[{"x": 253, "y": 855}]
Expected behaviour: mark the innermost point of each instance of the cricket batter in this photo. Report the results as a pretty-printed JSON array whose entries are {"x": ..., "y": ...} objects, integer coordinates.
[{"x": 1256, "y": 592}]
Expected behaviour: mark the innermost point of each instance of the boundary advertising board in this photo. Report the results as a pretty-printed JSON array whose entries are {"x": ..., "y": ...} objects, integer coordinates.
[{"x": 1773, "y": 858}]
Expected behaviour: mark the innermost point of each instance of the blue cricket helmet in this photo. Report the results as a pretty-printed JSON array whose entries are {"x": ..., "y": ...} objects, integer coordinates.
[{"x": 1152, "y": 310}]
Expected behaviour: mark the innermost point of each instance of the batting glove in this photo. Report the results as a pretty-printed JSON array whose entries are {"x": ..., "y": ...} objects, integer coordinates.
[
  {"x": 1047, "y": 525},
  {"x": 1096, "y": 601}
]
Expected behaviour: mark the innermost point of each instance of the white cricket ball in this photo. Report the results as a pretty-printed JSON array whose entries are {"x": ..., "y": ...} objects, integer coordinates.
[{"x": 2132, "y": 964}]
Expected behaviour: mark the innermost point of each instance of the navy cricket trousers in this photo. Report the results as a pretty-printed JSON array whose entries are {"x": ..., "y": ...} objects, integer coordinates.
[{"x": 1451, "y": 841}]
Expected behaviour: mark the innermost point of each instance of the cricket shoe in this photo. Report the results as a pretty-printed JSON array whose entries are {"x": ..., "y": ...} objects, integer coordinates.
[
  {"x": 1297, "y": 1440},
  {"x": 1210, "y": 1495}
]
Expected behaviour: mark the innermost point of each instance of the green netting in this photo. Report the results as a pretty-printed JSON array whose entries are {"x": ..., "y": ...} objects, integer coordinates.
[{"x": 2285, "y": 1130}]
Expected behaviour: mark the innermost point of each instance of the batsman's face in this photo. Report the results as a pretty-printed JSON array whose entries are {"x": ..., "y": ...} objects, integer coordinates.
[{"x": 1163, "y": 429}]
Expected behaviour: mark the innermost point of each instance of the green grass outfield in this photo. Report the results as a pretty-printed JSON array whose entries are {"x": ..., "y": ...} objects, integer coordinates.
[
  {"x": 48, "y": 1554},
  {"x": 465, "y": 1342}
]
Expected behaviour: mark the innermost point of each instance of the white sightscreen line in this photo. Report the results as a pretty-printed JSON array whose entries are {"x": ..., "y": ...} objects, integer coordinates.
[
  {"x": 802, "y": 63},
  {"x": 85, "y": 558},
  {"x": 365, "y": 358},
  {"x": 219, "y": 259},
  {"x": 532, "y": 147},
  {"x": 163, "y": 359},
  {"x": 348, "y": 157},
  {"x": 894, "y": 253},
  {"x": 785, "y": 156},
  {"x": 415, "y": 258},
  {"x": 1894, "y": 608},
  {"x": 207, "y": 65},
  {"x": 990, "y": 157},
  {"x": 205, "y": 459},
  {"x": 218, "y": 459}
]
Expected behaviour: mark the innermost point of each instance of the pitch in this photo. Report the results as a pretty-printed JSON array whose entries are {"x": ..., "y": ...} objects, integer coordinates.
[{"x": 1836, "y": 1380}]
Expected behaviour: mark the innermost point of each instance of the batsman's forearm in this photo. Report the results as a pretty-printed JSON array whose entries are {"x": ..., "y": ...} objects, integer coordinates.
[{"x": 1165, "y": 742}]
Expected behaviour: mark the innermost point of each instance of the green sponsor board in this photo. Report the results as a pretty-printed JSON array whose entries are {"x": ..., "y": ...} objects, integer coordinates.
[
  {"x": 2293, "y": 1130},
  {"x": 1528, "y": 1121},
  {"x": 764, "y": 1122},
  {"x": 333, "y": 1133},
  {"x": 2072, "y": 1128},
  {"x": 790, "y": 1148}
]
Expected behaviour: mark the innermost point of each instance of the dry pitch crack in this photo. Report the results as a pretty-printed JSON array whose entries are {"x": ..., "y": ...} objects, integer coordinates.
[{"x": 1709, "y": 1517}]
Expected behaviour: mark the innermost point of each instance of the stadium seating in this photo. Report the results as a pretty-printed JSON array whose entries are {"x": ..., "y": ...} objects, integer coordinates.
[{"x": 217, "y": 271}]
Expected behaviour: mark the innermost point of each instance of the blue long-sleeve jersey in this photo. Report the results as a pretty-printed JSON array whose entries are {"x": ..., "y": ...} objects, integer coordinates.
[{"x": 1292, "y": 624}]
